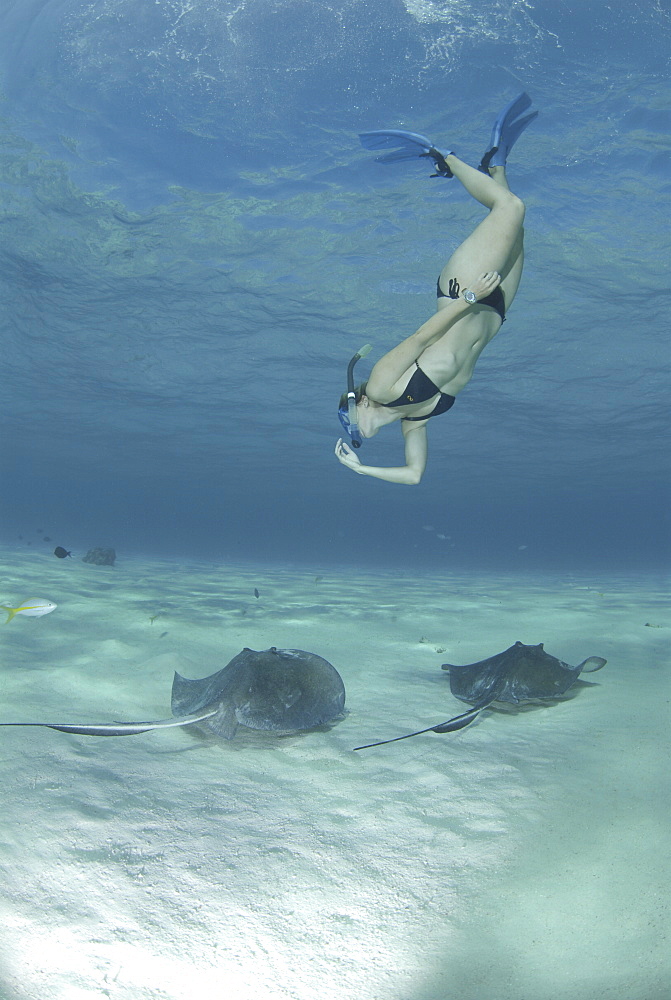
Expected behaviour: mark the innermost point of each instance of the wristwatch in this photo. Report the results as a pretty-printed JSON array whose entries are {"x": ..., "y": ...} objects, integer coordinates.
[{"x": 470, "y": 297}]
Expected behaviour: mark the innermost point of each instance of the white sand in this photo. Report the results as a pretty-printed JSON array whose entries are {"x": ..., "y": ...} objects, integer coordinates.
[{"x": 522, "y": 859}]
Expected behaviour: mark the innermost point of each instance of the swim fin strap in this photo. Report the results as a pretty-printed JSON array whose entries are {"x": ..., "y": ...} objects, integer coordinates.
[{"x": 405, "y": 146}]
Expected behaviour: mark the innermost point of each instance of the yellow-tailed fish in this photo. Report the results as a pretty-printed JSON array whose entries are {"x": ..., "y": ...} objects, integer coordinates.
[{"x": 31, "y": 609}]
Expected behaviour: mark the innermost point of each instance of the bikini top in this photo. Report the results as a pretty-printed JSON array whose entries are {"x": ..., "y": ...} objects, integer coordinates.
[{"x": 418, "y": 390}]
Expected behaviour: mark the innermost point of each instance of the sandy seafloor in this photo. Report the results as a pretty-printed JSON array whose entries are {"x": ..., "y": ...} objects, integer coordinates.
[{"x": 523, "y": 858}]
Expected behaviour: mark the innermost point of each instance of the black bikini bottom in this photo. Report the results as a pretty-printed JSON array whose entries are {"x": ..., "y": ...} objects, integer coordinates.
[{"x": 494, "y": 300}]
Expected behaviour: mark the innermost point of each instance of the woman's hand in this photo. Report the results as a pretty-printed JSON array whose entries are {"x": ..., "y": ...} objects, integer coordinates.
[
  {"x": 485, "y": 284},
  {"x": 346, "y": 456},
  {"x": 406, "y": 475}
]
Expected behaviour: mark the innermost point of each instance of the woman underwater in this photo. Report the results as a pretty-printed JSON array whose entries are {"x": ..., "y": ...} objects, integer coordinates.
[{"x": 421, "y": 377}]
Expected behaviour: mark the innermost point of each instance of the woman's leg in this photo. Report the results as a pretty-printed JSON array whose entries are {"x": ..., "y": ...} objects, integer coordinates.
[
  {"x": 513, "y": 272},
  {"x": 496, "y": 244}
]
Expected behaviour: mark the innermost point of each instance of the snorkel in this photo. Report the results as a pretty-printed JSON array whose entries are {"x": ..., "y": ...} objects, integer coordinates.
[{"x": 347, "y": 415}]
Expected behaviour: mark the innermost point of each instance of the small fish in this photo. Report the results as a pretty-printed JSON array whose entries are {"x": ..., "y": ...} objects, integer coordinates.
[
  {"x": 31, "y": 609},
  {"x": 46, "y": 539},
  {"x": 256, "y": 593},
  {"x": 61, "y": 553}
]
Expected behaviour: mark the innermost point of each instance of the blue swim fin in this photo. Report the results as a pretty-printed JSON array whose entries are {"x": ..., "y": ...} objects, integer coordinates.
[
  {"x": 405, "y": 146},
  {"x": 508, "y": 127}
]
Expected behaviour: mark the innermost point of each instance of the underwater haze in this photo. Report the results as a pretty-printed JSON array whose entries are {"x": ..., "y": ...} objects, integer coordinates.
[{"x": 194, "y": 244}]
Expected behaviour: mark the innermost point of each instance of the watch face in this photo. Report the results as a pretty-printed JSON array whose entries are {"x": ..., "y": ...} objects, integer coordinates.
[{"x": 470, "y": 297}]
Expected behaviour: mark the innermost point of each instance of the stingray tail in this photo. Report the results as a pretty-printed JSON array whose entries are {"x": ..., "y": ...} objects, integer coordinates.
[
  {"x": 116, "y": 728},
  {"x": 451, "y": 726}
]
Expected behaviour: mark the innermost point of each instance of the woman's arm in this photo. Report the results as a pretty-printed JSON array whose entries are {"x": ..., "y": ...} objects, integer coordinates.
[
  {"x": 391, "y": 367},
  {"x": 410, "y": 474}
]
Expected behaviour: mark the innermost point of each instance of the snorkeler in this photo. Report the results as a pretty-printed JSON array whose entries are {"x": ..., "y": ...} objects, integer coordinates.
[{"x": 421, "y": 377}]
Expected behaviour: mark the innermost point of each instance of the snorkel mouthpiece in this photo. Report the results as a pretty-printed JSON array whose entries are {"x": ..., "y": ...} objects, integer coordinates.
[{"x": 349, "y": 419}]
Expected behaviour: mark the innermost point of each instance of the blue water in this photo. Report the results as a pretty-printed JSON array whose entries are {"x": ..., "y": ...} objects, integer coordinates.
[{"x": 193, "y": 245}]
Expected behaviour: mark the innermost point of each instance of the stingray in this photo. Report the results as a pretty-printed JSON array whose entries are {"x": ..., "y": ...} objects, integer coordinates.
[
  {"x": 282, "y": 690},
  {"x": 517, "y": 675}
]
